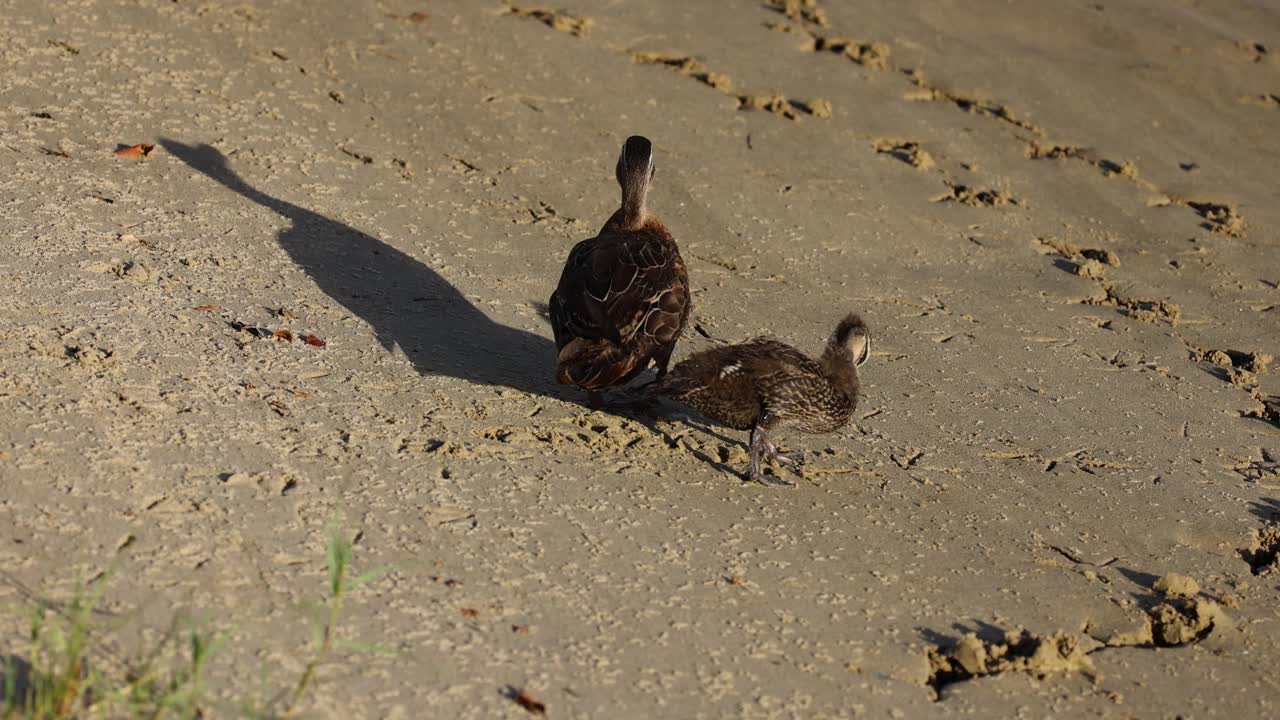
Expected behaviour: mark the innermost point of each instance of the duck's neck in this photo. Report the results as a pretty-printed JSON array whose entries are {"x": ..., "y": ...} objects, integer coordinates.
[
  {"x": 837, "y": 364},
  {"x": 633, "y": 212}
]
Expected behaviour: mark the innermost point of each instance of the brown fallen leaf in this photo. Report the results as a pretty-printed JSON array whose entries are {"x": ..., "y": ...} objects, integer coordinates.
[
  {"x": 314, "y": 341},
  {"x": 470, "y": 612},
  {"x": 138, "y": 152},
  {"x": 300, "y": 393},
  {"x": 527, "y": 701},
  {"x": 520, "y": 629},
  {"x": 248, "y": 386},
  {"x": 283, "y": 334},
  {"x": 207, "y": 308}
]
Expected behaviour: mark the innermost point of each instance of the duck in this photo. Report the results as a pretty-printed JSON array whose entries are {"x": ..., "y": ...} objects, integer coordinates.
[
  {"x": 764, "y": 383},
  {"x": 623, "y": 299}
]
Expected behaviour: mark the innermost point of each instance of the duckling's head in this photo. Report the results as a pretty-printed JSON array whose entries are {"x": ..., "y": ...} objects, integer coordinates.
[
  {"x": 852, "y": 336},
  {"x": 846, "y": 351}
]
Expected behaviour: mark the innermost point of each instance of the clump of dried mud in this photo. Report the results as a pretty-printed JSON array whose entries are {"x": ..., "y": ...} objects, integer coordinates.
[
  {"x": 966, "y": 195},
  {"x": 907, "y": 151},
  {"x": 1020, "y": 651},
  {"x": 1263, "y": 552},
  {"x": 575, "y": 25}
]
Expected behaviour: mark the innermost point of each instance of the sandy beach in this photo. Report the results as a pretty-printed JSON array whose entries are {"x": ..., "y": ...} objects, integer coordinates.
[{"x": 321, "y": 298}]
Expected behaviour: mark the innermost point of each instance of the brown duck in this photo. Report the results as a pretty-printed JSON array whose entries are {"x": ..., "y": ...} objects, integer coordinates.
[
  {"x": 764, "y": 383},
  {"x": 623, "y": 297}
]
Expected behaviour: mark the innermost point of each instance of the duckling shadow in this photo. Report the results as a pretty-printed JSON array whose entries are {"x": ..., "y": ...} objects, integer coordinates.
[{"x": 407, "y": 303}]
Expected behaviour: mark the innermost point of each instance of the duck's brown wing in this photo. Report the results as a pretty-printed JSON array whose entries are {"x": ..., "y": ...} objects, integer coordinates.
[{"x": 625, "y": 291}]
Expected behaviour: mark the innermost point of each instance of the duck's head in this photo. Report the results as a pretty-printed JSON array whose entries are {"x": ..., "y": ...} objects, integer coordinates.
[
  {"x": 635, "y": 164},
  {"x": 635, "y": 170}
]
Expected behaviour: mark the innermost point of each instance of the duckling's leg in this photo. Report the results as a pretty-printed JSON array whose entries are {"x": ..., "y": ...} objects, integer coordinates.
[
  {"x": 760, "y": 445},
  {"x": 595, "y": 399}
]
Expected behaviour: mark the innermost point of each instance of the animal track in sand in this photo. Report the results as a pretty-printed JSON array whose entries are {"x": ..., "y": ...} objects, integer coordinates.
[
  {"x": 966, "y": 195},
  {"x": 803, "y": 10},
  {"x": 575, "y": 25},
  {"x": 1252, "y": 51},
  {"x": 1259, "y": 470},
  {"x": 1089, "y": 263},
  {"x": 776, "y": 104},
  {"x": 926, "y": 92},
  {"x": 1268, "y": 100},
  {"x": 873, "y": 55},
  {"x": 1220, "y": 218},
  {"x": 1020, "y": 651},
  {"x": 1125, "y": 168},
  {"x": 1238, "y": 367},
  {"x": 1263, "y": 551},
  {"x": 1142, "y": 309},
  {"x": 594, "y": 432},
  {"x": 1176, "y": 615},
  {"x": 1092, "y": 264},
  {"x": 907, "y": 151},
  {"x": 1080, "y": 459},
  {"x": 1268, "y": 407}
]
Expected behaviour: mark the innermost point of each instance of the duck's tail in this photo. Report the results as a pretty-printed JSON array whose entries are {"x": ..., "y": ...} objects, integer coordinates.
[{"x": 594, "y": 364}]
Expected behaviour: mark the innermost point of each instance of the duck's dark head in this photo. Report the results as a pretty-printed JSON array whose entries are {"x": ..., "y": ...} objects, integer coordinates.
[
  {"x": 635, "y": 170},
  {"x": 848, "y": 348}
]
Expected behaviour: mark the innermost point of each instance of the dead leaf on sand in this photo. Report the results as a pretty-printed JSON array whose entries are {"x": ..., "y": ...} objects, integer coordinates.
[
  {"x": 207, "y": 308},
  {"x": 137, "y": 152},
  {"x": 527, "y": 701},
  {"x": 314, "y": 341}
]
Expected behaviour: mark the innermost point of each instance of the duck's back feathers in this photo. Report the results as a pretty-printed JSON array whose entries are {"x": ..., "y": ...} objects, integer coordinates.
[{"x": 625, "y": 293}]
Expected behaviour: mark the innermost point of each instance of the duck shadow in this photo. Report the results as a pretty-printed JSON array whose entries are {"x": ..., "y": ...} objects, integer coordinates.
[{"x": 407, "y": 303}]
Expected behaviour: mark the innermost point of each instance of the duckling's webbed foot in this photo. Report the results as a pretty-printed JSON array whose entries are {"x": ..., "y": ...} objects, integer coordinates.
[
  {"x": 760, "y": 445},
  {"x": 792, "y": 460}
]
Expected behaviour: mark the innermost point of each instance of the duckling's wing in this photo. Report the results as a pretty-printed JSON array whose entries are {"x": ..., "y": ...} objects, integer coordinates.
[{"x": 767, "y": 357}]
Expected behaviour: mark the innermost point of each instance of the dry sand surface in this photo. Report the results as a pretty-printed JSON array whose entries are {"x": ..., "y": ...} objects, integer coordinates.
[{"x": 1058, "y": 218}]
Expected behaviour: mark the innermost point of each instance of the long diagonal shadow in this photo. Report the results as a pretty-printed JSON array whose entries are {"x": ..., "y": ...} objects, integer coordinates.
[{"x": 406, "y": 302}]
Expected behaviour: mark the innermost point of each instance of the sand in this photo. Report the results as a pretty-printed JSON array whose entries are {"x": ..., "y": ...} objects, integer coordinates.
[{"x": 1057, "y": 218}]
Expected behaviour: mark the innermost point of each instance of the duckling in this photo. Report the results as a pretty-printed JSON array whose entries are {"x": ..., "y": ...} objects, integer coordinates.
[
  {"x": 623, "y": 297},
  {"x": 763, "y": 383}
]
